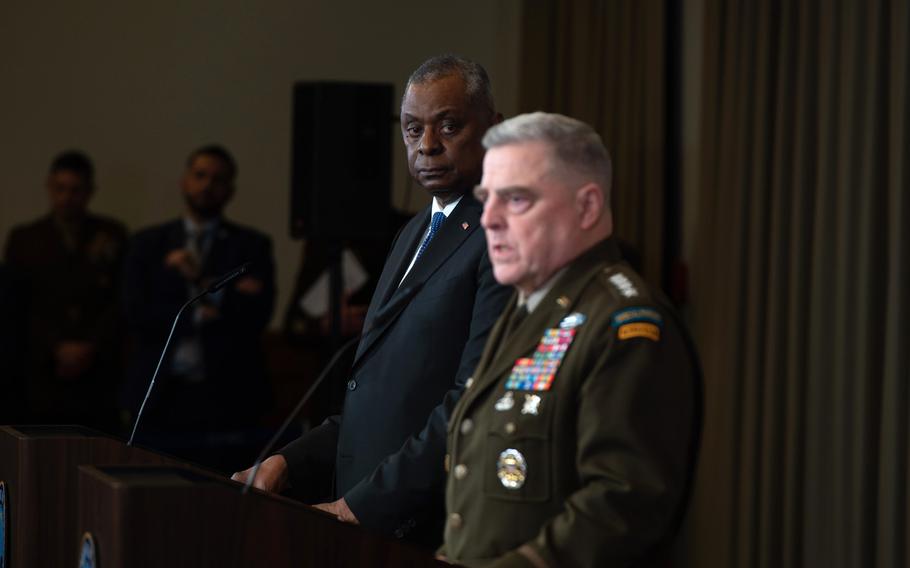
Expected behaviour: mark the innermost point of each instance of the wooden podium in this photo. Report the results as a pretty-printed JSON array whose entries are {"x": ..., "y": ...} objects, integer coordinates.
[
  {"x": 38, "y": 467},
  {"x": 172, "y": 516},
  {"x": 141, "y": 508}
]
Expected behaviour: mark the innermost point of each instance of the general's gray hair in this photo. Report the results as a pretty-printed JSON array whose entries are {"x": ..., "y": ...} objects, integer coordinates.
[
  {"x": 476, "y": 80},
  {"x": 576, "y": 146}
]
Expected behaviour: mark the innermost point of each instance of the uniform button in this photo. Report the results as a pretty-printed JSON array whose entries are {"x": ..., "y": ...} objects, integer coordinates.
[
  {"x": 467, "y": 425},
  {"x": 352, "y": 384},
  {"x": 469, "y": 383},
  {"x": 510, "y": 428},
  {"x": 399, "y": 533},
  {"x": 461, "y": 470},
  {"x": 455, "y": 521}
]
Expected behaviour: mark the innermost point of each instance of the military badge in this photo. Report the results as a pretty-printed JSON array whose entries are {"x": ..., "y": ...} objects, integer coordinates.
[
  {"x": 632, "y": 315},
  {"x": 638, "y": 322},
  {"x": 572, "y": 320},
  {"x": 512, "y": 469},
  {"x": 531, "y": 405},
  {"x": 537, "y": 372},
  {"x": 4, "y": 523},
  {"x": 88, "y": 553},
  {"x": 505, "y": 403},
  {"x": 623, "y": 285},
  {"x": 646, "y": 330}
]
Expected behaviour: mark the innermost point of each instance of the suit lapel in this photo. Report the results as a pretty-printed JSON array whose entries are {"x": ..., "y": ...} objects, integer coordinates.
[
  {"x": 463, "y": 221},
  {"x": 398, "y": 261},
  {"x": 175, "y": 235},
  {"x": 216, "y": 259}
]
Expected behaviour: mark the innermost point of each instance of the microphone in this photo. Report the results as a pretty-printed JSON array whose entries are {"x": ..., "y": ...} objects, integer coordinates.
[
  {"x": 384, "y": 315},
  {"x": 219, "y": 284},
  {"x": 224, "y": 280}
]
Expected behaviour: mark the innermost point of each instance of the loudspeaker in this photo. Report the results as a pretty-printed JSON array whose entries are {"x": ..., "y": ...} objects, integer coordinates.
[{"x": 341, "y": 159}]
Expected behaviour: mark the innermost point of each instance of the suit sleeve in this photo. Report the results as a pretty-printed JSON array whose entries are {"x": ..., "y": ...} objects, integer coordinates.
[
  {"x": 311, "y": 461},
  {"x": 311, "y": 457},
  {"x": 149, "y": 311},
  {"x": 250, "y": 313},
  {"x": 407, "y": 485},
  {"x": 636, "y": 408}
]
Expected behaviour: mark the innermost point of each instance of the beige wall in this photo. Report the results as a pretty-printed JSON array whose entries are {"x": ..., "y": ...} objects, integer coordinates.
[{"x": 138, "y": 85}]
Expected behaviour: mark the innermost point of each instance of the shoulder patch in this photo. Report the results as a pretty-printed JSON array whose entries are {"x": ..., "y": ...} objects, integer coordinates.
[
  {"x": 638, "y": 321},
  {"x": 637, "y": 314},
  {"x": 641, "y": 329}
]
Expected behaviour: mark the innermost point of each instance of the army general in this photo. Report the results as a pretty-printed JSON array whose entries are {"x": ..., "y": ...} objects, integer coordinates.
[{"x": 575, "y": 441}]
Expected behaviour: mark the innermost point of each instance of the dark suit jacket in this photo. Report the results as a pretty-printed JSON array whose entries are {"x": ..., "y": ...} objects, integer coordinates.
[
  {"x": 385, "y": 452},
  {"x": 235, "y": 388}
]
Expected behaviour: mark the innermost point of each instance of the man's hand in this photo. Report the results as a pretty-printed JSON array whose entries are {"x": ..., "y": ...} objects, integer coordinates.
[
  {"x": 340, "y": 509},
  {"x": 73, "y": 358},
  {"x": 272, "y": 475},
  {"x": 183, "y": 261},
  {"x": 249, "y": 285}
]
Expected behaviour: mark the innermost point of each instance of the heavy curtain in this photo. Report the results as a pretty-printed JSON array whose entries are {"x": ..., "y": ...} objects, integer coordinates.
[
  {"x": 801, "y": 285},
  {"x": 604, "y": 63}
]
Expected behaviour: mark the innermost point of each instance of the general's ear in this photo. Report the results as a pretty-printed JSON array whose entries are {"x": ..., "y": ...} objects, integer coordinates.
[{"x": 589, "y": 201}]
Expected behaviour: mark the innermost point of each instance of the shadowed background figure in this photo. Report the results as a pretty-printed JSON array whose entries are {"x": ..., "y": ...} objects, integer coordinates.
[{"x": 68, "y": 263}]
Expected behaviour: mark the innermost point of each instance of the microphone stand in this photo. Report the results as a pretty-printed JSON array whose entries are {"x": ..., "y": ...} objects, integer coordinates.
[
  {"x": 293, "y": 415},
  {"x": 384, "y": 315},
  {"x": 218, "y": 285}
]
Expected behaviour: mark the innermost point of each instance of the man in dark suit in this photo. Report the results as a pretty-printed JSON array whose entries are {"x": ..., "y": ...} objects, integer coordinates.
[
  {"x": 575, "y": 444},
  {"x": 213, "y": 377},
  {"x": 68, "y": 263},
  {"x": 425, "y": 327}
]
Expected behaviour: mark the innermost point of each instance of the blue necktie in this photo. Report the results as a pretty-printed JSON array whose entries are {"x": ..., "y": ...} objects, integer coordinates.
[{"x": 435, "y": 222}]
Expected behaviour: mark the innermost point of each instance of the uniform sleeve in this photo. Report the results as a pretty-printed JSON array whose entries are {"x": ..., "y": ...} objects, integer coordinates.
[
  {"x": 407, "y": 483},
  {"x": 636, "y": 411}
]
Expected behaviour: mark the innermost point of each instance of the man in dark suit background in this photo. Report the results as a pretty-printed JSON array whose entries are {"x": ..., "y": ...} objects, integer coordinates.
[
  {"x": 68, "y": 263},
  {"x": 382, "y": 459},
  {"x": 212, "y": 380}
]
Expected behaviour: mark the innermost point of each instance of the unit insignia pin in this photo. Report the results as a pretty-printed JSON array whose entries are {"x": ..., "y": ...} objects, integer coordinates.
[
  {"x": 506, "y": 402},
  {"x": 464, "y": 226},
  {"x": 531, "y": 405},
  {"x": 511, "y": 469},
  {"x": 572, "y": 320}
]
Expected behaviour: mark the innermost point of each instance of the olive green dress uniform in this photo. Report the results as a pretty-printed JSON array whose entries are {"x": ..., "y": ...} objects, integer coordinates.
[
  {"x": 72, "y": 276},
  {"x": 577, "y": 434}
]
